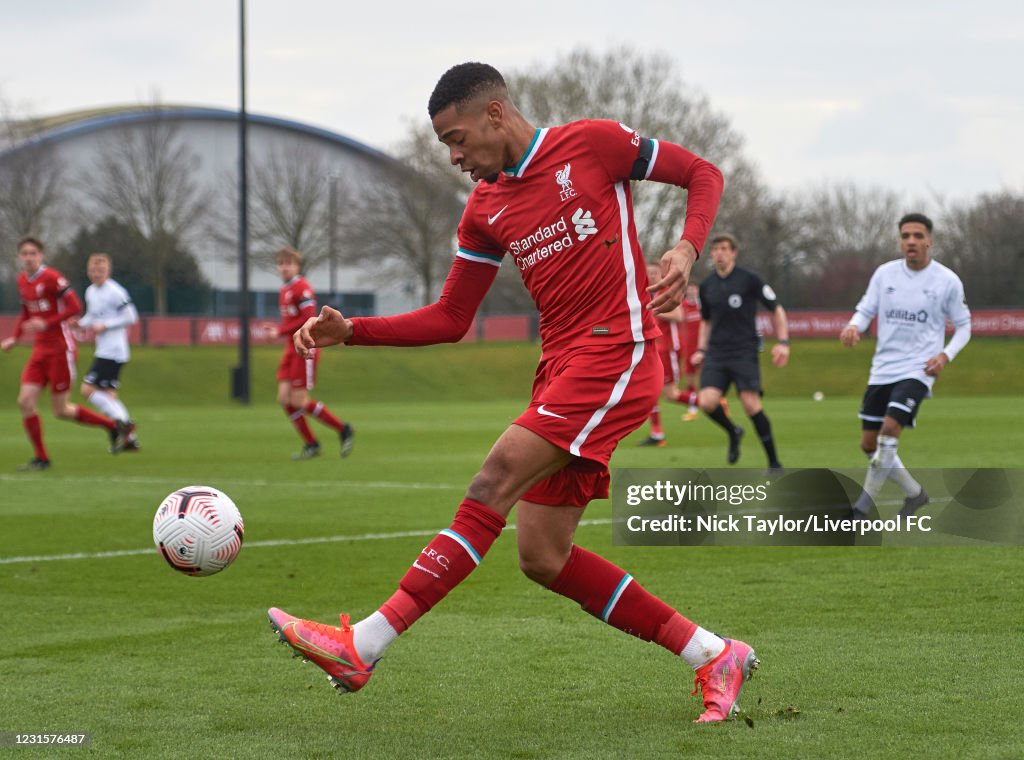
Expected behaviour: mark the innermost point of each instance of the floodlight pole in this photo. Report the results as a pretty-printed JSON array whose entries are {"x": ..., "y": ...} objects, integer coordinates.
[
  {"x": 240, "y": 378},
  {"x": 332, "y": 237}
]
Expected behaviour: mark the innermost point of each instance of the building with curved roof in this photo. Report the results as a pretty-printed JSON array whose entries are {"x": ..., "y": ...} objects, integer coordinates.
[{"x": 78, "y": 142}]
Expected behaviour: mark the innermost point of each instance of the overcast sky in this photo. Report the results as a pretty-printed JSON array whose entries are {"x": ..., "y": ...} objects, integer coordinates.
[{"x": 921, "y": 97}]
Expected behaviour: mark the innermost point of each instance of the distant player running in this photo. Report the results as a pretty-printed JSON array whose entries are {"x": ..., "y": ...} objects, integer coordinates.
[
  {"x": 296, "y": 375},
  {"x": 557, "y": 201},
  {"x": 109, "y": 313},
  {"x": 47, "y": 303},
  {"x": 912, "y": 297},
  {"x": 689, "y": 334}
]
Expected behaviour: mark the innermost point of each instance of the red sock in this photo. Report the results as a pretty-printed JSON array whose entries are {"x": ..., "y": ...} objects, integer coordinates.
[
  {"x": 34, "y": 428},
  {"x": 299, "y": 421},
  {"x": 656, "y": 429},
  {"x": 89, "y": 417},
  {"x": 610, "y": 593},
  {"x": 322, "y": 413},
  {"x": 689, "y": 396},
  {"x": 444, "y": 563}
]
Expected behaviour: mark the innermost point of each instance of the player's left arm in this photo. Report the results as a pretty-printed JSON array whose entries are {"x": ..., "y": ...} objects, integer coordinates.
[
  {"x": 780, "y": 351},
  {"x": 628, "y": 155},
  {"x": 955, "y": 309}
]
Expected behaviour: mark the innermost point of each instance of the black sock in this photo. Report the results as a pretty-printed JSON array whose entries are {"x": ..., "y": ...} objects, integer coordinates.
[
  {"x": 721, "y": 418},
  {"x": 764, "y": 432}
]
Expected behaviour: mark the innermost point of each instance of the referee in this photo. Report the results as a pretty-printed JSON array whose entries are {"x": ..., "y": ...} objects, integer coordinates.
[{"x": 728, "y": 345}]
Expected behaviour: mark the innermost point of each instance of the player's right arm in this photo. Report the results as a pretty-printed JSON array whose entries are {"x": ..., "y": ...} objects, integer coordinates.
[
  {"x": 866, "y": 310},
  {"x": 8, "y": 343},
  {"x": 445, "y": 321}
]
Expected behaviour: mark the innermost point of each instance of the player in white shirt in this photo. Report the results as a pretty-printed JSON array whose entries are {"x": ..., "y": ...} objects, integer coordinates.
[
  {"x": 912, "y": 297},
  {"x": 109, "y": 313}
]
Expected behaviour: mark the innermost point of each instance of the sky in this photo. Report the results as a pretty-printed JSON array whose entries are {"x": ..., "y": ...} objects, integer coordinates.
[{"x": 922, "y": 98}]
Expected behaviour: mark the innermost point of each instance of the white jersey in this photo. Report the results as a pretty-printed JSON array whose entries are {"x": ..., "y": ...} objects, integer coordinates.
[
  {"x": 912, "y": 308},
  {"x": 110, "y": 305}
]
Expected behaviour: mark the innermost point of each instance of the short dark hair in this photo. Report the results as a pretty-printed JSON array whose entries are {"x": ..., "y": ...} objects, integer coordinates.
[
  {"x": 31, "y": 240},
  {"x": 725, "y": 237},
  {"x": 918, "y": 218},
  {"x": 462, "y": 83}
]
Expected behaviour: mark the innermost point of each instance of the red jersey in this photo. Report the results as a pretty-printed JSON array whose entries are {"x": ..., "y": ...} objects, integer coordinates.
[
  {"x": 48, "y": 295},
  {"x": 297, "y": 303},
  {"x": 564, "y": 216}
]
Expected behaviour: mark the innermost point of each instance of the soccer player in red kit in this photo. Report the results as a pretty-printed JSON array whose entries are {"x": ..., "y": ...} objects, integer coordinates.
[
  {"x": 667, "y": 345},
  {"x": 47, "y": 303},
  {"x": 689, "y": 329},
  {"x": 296, "y": 374},
  {"x": 557, "y": 202}
]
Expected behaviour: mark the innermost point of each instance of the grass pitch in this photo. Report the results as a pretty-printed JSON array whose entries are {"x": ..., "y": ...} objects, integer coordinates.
[{"x": 866, "y": 652}]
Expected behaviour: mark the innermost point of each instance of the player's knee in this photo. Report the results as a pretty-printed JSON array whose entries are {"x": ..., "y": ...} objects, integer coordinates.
[
  {"x": 541, "y": 568},
  {"x": 86, "y": 390}
]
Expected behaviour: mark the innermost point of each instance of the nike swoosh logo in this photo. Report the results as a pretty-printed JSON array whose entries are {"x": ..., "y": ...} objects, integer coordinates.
[
  {"x": 493, "y": 219},
  {"x": 418, "y": 566},
  {"x": 546, "y": 413}
]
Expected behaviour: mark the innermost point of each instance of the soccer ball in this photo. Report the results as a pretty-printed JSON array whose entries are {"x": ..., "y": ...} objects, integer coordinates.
[{"x": 198, "y": 530}]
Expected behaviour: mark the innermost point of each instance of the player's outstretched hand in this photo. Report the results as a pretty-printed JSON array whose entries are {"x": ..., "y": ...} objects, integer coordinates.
[
  {"x": 328, "y": 329},
  {"x": 675, "y": 273},
  {"x": 850, "y": 336},
  {"x": 936, "y": 364},
  {"x": 7, "y": 344}
]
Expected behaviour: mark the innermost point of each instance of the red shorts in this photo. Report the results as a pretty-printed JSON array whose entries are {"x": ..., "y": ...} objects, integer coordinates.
[
  {"x": 298, "y": 372},
  {"x": 56, "y": 368},
  {"x": 586, "y": 400}
]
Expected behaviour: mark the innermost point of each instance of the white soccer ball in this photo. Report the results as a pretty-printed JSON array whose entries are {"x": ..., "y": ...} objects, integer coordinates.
[
  {"x": 198, "y": 530},
  {"x": 819, "y": 396}
]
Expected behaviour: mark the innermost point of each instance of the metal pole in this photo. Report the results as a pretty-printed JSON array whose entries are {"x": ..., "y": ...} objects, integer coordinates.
[
  {"x": 332, "y": 238},
  {"x": 240, "y": 389}
]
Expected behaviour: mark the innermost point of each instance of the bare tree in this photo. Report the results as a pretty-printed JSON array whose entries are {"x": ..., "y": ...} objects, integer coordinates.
[
  {"x": 290, "y": 204},
  {"x": 404, "y": 224},
  {"x": 645, "y": 92},
  {"x": 145, "y": 178},
  {"x": 31, "y": 184},
  {"x": 843, "y": 232},
  {"x": 983, "y": 240}
]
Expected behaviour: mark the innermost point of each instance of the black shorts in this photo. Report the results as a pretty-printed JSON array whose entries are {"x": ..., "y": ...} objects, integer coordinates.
[
  {"x": 899, "y": 400},
  {"x": 103, "y": 374},
  {"x": 720, "y": 373}
]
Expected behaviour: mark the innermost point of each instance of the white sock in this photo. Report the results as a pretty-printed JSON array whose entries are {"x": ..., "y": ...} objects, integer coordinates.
[
  {"x": 110, "y": 406},
  {"x": 878, "y": 470},
  {"x": 901, "y": 476},
  {"x": 702, "y": 648},
  {"x": 371, "y": 637}
]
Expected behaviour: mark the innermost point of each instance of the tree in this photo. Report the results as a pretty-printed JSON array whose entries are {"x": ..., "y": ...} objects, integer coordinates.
[
  {"x": 843, "y": 232},
  {"x": 983, "y": 241},
  {"x": 404, "y": 224},
  {"x": 645, "y": 92},
  {"x": 144, "y": 178},
  {"x": 289, "y": 204},
  {"x": 130, "y": 259},
  {"x": 31, "y": 186}
]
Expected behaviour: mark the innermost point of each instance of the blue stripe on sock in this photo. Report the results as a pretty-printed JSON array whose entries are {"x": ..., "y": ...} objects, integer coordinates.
[
  {"x": 462, "y": 542},
  {"x": 615, "y": 597}
]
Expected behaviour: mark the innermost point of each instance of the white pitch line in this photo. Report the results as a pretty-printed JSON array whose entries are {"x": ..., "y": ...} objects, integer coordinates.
[
  {"x": 141, "y": 480},
  {"x": 253, "y": 544}
]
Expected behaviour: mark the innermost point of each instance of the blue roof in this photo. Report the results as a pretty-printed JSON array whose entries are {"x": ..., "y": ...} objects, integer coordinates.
[{"x": 92, "y": 121}]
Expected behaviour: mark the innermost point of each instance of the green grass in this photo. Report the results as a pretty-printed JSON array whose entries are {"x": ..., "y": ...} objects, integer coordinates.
[{"x": 867, "y": 652}]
